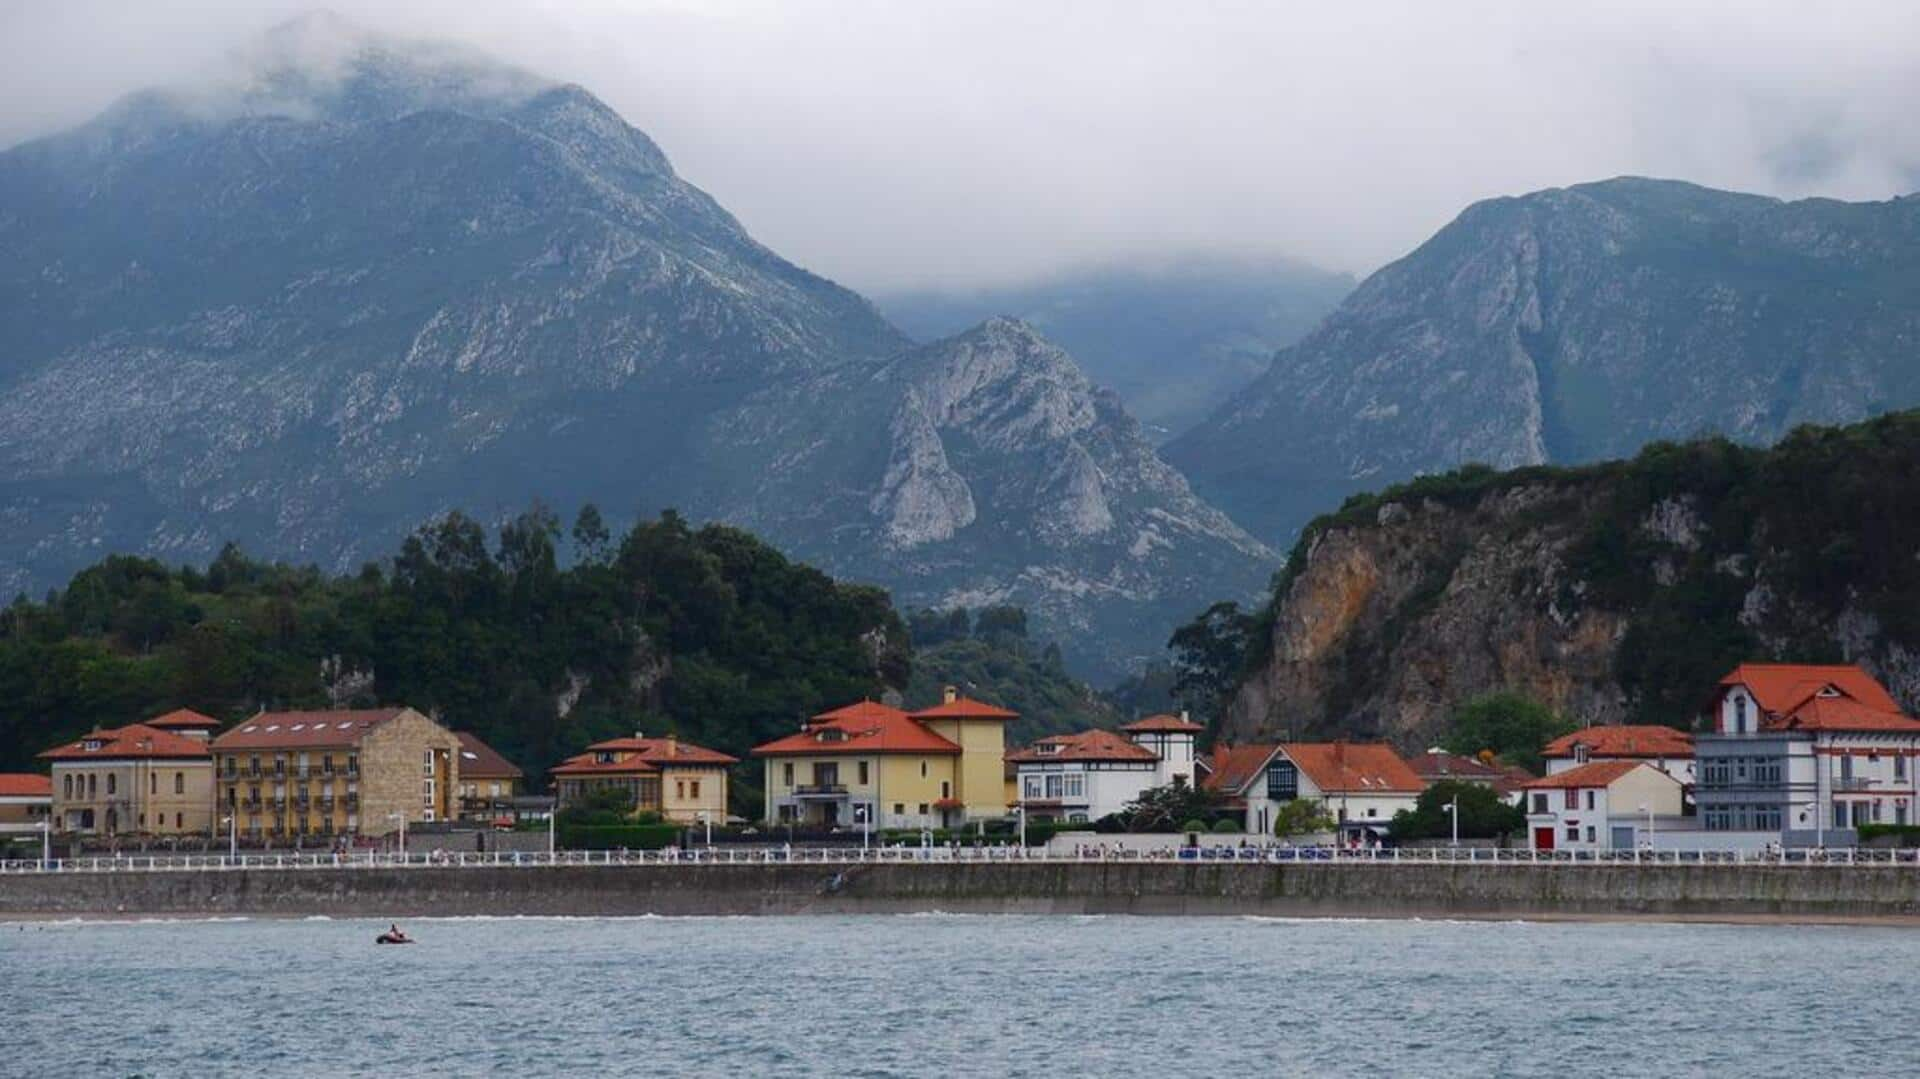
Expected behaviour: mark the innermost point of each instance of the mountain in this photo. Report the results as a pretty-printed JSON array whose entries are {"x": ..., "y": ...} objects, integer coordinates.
[
  {"x": 1618, "y": 592},
  {"x": 1174, "y": 339},
  {"x": 364, "y": 282},
  {"x": 1574, "y": 325}
]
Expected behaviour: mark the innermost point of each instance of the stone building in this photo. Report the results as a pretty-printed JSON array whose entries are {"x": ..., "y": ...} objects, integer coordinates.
[{"x": 313, "y": 775}]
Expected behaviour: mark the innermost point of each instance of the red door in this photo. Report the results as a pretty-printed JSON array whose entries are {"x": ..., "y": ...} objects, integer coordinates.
[{"x": 1543, "y": 839}]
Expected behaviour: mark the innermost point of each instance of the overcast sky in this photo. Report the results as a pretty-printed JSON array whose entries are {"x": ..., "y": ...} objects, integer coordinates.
[{"x": 930, "y": 144}]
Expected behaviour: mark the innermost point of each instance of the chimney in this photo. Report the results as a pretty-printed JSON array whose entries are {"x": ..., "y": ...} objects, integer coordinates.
[
  {"x": 637, "y": 735},
  {"x": 1183, "y": 716},
  {"x": 673, "y": 745},
  {"x": 951, "y": 694}
]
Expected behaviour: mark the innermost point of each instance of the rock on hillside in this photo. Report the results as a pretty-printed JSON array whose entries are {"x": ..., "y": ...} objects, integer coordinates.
[
  {"x": 1573, "y": 325},
  {"x": 1613, "y": 593},
  {"x": 363, "y": 282}
]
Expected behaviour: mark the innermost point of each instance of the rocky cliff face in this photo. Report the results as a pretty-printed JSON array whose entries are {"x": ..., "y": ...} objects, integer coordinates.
[
  {"x": 367, "y": 282},
  {"x": 1617, "y": 593},
  {"x": 1574, "y": 325}
]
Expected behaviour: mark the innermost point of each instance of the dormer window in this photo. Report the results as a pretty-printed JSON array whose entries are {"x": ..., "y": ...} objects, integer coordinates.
[
  {"x": 832, "y": 734},
  {"x": 1740, "y": 714},
  {"x": 1048, "y": 748},
  {"x": 91, "y": 745},
  {"x": 605, "y": 756},
  {"x": 1581, "y": 752},
  {"x": 1829, "y": 691}
]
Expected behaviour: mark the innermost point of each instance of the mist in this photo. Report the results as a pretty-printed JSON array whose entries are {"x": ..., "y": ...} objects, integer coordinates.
[{"x": 960, "y": 145}]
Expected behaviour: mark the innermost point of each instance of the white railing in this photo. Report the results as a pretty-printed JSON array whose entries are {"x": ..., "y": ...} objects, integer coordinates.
[{"x": 836, "y": 856}]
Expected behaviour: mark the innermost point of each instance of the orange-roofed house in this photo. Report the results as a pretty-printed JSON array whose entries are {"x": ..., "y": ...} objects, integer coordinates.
[
  {"x": 1599, "y": 807},
  {"x": 681, "y": 781},
  {"x": 1665, "y": 748},
  {"x": 26, "y": 801},
  {"x": 870, "y": 764},
  {"x": 316, "y": 775},
  {"x": 1361, "y": 784},
  {"x": 137, "y": 779},
  {"x": 1803, "y": 754},
  {"x": 1090, "y": 774}
]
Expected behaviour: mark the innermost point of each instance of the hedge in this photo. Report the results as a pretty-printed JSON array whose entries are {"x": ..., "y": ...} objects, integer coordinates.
[
  {"x": 615, "y": 836},
  {"x": 1907, "y": 834}
]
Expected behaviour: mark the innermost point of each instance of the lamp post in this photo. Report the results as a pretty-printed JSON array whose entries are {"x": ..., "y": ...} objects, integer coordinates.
[
  {"x": 46, "y": 842},
  {"x": 865, "y": 813},
  {"x": 1022, "y": 810},
  {"x": 1452, "y": 810},
  {"x": 402, "y": 818},
  {"x": 232, "y": 822},
  {"x": 706, "y": 818},
  {"x": 553, "y": 815},
  {"x": 1648, "y": 810}
]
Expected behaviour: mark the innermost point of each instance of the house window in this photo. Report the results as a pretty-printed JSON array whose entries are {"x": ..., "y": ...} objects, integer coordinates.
[
  {"x": 1539, "y": 802},
  {"x": 786, "y": 773},
  {"x": 153, "y": 783},
  {"x": 946, "y": 789},
  {"x": 110, "y": 783},
  {"x": 899, "y": 809},
  {"x": 179, "y": 782},
  {"x": 1590, "y": 799},
  {"x": 93, "y": 785},
  {"x": 695, "y": 788},
  {"x": 1573, "y": 833},
  {"x": 1572, "y": 799},
  {"x": 1033, "y": 788},
  {"x": 1581, "y": 752},
  {"x": 179, "y": 820},
  {"x": 66, "y": 786},
  {"x": 1899, "y": 766},
  {"x": 1283, "y": 781},
  {"x": 923, "y": 774},
  {"x": 1590, "y": 838},
  {"x": 923, "y": 809},
  {"x": 1840, "y": 815},
  {"x": 863, "y": 773}
]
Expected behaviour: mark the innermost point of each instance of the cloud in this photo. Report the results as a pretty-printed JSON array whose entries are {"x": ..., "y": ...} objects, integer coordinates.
[{"x": 892, "y": 145}]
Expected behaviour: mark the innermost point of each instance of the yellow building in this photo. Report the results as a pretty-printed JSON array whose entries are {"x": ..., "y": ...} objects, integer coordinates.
[
  {"x": 869, "y": 762},
  {"x": 320, "y": 774},
  {"x": 489, "y": 782},
  {"x": 680, "y": 781},
  {"x": 153, "y": 778}
]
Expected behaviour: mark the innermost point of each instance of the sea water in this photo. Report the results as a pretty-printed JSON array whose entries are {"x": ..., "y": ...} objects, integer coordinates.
[{"x": 941, "y": 995}]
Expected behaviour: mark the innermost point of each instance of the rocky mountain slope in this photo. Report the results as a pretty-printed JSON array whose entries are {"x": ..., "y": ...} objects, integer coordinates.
[
  {"x": 373, "y": 281},
  {"x": 1173, "y": 339},
  {"x": 1613, "y": 593},
  {"x": 1574, "y": 325}
]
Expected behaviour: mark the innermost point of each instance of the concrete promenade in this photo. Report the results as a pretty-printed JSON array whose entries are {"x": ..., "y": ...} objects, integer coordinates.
[{"x": 918, "y": 881}]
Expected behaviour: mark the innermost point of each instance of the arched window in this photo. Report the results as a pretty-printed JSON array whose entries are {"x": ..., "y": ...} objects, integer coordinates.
[
  {"x": 93, "y": 785},
  {"x": 153, "y": 783},
  {"x": 66, "y": 787},
  {"x": 179, "y": 782},
  {"x": 1740, "y": 715},
  {"x": 111, "y": 778}
]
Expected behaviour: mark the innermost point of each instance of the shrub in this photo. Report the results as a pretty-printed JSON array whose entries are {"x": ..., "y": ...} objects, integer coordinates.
[
  {"x": 1908, "y": 835},
  {"x": 1226, "y": 826},
  {"x": 1194, "y": 825},
  {"x": 616, "y": 836}
]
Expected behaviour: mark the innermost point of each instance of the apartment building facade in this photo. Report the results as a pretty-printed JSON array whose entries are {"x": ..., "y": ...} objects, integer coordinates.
[{"x": 320, "y": 775}]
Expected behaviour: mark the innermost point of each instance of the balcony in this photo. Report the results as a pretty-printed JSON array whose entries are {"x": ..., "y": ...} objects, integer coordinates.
[
  {"x": 353, "y": 801},
  {"x": 301, "y": 772},
  {"x": 326, "y": 803},
  {"x": 820, "y": 790},
  {"x": 251, "y": 805},
  {"x": 1852, "y": 783},
  {"x": 279, "y": 803}
]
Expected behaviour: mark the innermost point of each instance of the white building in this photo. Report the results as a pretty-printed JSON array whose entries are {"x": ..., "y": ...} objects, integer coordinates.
[
  {"x": 1805, "y": 754},
  {"x": 1665, "y": 748},
  {"x": 1088, "y": 775},
  {"x": 1361, "y": 785},
  {"x": 1601, "y": 806}
]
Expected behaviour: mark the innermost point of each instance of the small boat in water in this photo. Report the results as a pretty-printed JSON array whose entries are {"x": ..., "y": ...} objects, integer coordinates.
[{"x": 393, "y": 935}]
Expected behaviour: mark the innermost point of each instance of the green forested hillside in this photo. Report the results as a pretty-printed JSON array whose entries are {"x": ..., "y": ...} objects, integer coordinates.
[
  {"x": 989, "y": 656},
  {"x": 706, "y": 632}
]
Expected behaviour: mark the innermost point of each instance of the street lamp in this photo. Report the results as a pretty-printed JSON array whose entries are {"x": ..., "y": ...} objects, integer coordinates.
[
  {"x": 706, "y": 818},
  {"x": 1452, "y": 809},
  {"x": 865, "y": 813},
  {"x": 1648, "y": 810},
  {"x": 1022, "y": 810},
  {"x": 233, "y": 834},
  {"x": 553, "y": 814},
  {"x": 402, "y": 818},
  {"x": 46, "y": 842}
]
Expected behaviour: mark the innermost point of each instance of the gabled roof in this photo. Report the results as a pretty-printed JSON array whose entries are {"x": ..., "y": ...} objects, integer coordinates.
[
  {"x": 296, "y": 730},
  {"x": 25, "y": 785},
  {"x": 590, "y": 764},
  {"x": 1093, "y": 745},
  {"x": 1782, "y": 687},
  {"x": 479, "y": 760},
  {"x": 965, "y": 708},
  {"x": 1842, "y": 714},
  {"x": 1437, "y": 764},
  {"x": 1596, "y": 774},
  {"x": 1354, "y": 767},
  {"x": 184, "y": 719},
  {"x": 1236, "y": 766},
  {"x": 664, "y": 752},
  {"x": 865, "y": 727},
  {"x": 136, "y": 741},
  {"x": 1171, "y": 724},
  {"x": 1647, "y": 741}
]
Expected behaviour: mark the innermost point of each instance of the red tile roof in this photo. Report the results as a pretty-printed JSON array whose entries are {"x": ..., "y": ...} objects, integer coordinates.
[
  {"x": 1596, "y": 774},
  {"x": 25, "y": 785},
  {"x": 296, "y": 730},
  {"x": 136, "y": 741},
  {"x": 1842, "y": 714},
  {"x": 590, "y": 764},
  {"x": 665, "y": 751},
  {"x": 1236, "y": 766},
  {"x": 479, "y": 760},
  {"x": 1175, "y": 724},
  {"x": 1354, "y": 767},
  {"x": 184, "y": 719},
  {"x": 866, "y": 727},
  {"x": 965, "y": 708},
  {"x": 1437, "y": 764},
  {"x": 1084, "y": 746},
  {"x": 1624, "y": 741},
  {"x": 1782, "y": 687}
]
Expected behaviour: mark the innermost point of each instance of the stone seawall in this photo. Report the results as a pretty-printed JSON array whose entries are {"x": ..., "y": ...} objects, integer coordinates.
[{"x": 1728, "y": 892}]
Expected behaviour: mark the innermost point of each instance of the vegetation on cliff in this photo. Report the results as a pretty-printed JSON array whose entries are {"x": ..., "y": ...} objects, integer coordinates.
[
  {"x": 1617, "y": 592},
  {"x": 989, "y": 654},
  {"x": 706, "y": 632}
]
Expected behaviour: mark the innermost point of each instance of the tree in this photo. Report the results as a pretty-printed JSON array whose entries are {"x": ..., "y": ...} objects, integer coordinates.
[
  {"x": 591, "y": 539},
  {"x": 1001, "y": 622},
  {"x": 1483, "y": 814},
  {"x": 1513, "y": 726},
  {"x": 1301, "y": 817},
  {"x": 1208, "y": 654},
  {"x": 1166, "y": 809}
]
